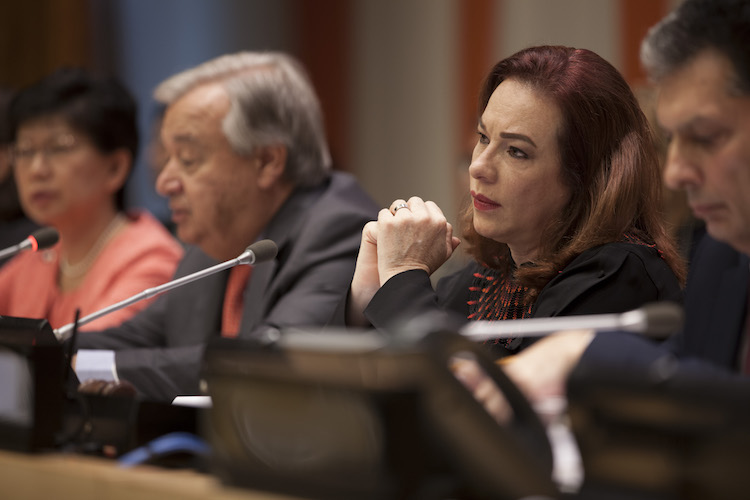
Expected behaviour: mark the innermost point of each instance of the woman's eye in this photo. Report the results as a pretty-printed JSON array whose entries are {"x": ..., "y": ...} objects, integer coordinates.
[
  {"x": 516, "y": 153},
  {"x": 483, "y": 139}
]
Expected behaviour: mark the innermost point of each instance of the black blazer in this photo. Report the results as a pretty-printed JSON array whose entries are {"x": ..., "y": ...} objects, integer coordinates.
[
  {"x": 615, "y": 277},
  {"x": 318, "y": 233}
]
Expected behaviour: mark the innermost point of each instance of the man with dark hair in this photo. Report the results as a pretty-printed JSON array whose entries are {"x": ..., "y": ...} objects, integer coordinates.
[
  {"x": 246, "y": 159},
  {"x": 699, "y": 57}
]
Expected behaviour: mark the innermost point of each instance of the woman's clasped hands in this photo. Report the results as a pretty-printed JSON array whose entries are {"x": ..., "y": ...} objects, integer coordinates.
[{"x": 408, "y": 235}]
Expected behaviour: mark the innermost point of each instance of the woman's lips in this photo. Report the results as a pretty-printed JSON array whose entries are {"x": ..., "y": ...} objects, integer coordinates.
[
  {"x": 42, "y": 197},
  {"x": 483, "y": 203}
]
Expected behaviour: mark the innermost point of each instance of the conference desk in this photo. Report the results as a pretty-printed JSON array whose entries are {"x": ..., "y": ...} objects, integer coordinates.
[{"x": 79, "y": 477}]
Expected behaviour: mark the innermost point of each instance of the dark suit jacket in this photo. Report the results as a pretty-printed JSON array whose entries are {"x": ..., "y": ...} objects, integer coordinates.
[
  {"x": 716, "y": 300},
  {"x": 317, "y": 232},
  {"x": 611, "y": 278}
]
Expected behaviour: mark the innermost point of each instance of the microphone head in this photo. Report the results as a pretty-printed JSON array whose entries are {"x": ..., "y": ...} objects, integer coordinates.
[
  {"x": 261, "y": 251},
  {"x": 658, "y": 319},
  {"x": 44, "y": 238}
]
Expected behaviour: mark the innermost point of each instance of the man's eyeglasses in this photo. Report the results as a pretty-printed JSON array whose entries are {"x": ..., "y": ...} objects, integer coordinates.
[{"x": 24, "y": 154}]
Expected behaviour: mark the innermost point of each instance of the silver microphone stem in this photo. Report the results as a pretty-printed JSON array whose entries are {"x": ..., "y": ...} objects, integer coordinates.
[
  {"x": 246, "y": 258},
  {"x": 656, "y": 320},
  {"x": 536, "y": 327},
  {"x": 11, "y": 251}
]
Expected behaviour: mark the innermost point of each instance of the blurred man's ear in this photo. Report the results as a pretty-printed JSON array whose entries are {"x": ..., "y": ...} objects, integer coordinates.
[{"x": 272, "y": 165}]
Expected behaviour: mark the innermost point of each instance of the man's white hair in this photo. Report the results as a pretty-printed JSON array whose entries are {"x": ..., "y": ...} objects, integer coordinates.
[{"x": 272, "y": 102}]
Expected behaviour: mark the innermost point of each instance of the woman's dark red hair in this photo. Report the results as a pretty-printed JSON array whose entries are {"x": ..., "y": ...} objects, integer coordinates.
[{"x": 608, "y": 158}]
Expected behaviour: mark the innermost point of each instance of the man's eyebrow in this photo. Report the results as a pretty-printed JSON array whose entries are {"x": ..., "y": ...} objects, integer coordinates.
[
  {"x": 696, "y": 121},
  {"x": 186, "y": 138}
]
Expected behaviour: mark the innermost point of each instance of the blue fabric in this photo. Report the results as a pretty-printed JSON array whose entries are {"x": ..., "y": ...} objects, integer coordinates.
[{"x": 174, "y": 442}]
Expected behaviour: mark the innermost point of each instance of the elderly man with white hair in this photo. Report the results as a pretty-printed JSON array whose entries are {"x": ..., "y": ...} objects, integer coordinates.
[{"x": 246, "y": 159}]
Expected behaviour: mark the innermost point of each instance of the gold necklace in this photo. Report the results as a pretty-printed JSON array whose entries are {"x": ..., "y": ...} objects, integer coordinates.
[{"x": 80, "y": 268}]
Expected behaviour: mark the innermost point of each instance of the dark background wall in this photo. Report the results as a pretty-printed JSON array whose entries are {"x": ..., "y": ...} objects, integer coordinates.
[{"x": 398, "y": 79}]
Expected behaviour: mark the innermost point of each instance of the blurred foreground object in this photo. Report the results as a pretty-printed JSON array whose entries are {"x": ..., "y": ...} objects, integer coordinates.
[{"x": 341, "y": 414}]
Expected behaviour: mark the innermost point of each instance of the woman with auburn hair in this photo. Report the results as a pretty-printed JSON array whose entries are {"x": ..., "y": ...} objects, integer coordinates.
[{"x": 564, "y": 220}]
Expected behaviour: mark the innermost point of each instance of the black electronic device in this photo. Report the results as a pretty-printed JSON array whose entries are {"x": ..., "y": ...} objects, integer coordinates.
[
  {"x": 660, "y": 433},
  {"x": 41, "y": 408},
  {"x": 32, "y": 370},
  {"x": 341, "y": 414}
]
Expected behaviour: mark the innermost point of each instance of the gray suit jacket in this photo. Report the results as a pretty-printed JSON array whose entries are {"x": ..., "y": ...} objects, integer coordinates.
[{"x": 317, "y": 232}]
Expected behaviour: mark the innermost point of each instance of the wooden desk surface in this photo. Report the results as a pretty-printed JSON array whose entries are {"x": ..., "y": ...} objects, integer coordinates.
[{"x": 76, "y": 477}]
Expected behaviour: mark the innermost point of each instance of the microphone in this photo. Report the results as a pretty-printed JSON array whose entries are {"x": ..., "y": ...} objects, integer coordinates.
[
  {"x": 656, "y": 320},
  {"x": 258, "y": 252},
  {"x": 40, "y": 239}
]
